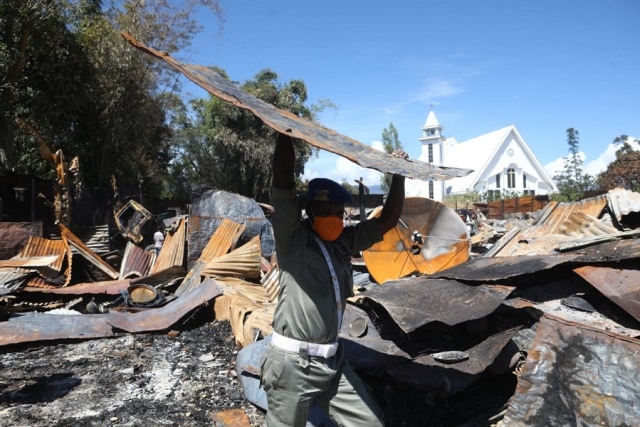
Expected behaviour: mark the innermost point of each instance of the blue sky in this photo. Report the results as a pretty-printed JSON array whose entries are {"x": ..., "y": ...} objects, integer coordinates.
[{"x": 543, "y": 66}]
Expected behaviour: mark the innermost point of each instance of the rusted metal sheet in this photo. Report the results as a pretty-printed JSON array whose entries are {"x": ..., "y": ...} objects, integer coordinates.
[
  {"x": 493, "y": 269},
  {"x": 173, "y": 249},
  {"x": 315, "y": 134},
  {"x": 105, "y": 287},
  {"x": 35, "y": 326},
  {"x": 576, "y": 375},
  {"x": 446, "y": 379},
  {"x": 428, "y": 238},
  {"x": 223, "y": 240},
  {"x": 15, "y": 235},
  {"x": 558, "y": 223},
  {"x": 620, "y": 285},
  {"x": 416, "y": 301},
  {"x": 87, "y": 253},
  {"x": 58, "y": 272},
  {"x": 136, "y": 262},
  {"x": 31, "y": 262},
  {"x": 157, "y": 319}
]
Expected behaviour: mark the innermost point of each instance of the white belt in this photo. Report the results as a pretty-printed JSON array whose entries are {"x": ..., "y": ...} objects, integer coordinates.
[{"x": 289, "y": 344}]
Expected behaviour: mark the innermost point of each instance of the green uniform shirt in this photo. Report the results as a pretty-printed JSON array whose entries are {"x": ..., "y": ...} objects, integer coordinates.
[{"x": 306, "y": 308}]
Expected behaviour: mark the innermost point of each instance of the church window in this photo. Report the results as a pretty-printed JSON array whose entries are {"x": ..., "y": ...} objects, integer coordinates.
[
  {"x": 430, "y": 153},
  {"x": 524, "y": 181},
  {"x": 511, "y": 178},
  {"x": 497, "y": 180},
  {"x": 431, "y": 189}
]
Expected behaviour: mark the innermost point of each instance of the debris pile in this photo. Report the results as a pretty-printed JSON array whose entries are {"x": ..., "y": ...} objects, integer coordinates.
[{"x": 539, "y": 327}]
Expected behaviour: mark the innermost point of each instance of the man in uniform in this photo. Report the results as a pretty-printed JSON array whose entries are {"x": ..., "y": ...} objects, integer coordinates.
[{"x": 304, "y": 362}]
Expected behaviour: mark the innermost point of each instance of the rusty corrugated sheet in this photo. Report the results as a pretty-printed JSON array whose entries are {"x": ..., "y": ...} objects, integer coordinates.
[
  {"x": 223, "y": 240},
  {"x": 172, "y": 253},
  {"x": 315, "y": 134},
  {"x": 136, "y": 262},
  {"x": 416, "y": 301},
  {"x": 87, "y": 253},
  {"x": 558, "y": 223},
  {"x": 620, "y": 285},
  {"x": 58, "y": 273},
  {"x": 577, "y": 375}
]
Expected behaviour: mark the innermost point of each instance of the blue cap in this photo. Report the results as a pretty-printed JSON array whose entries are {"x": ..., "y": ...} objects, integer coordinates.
[{"x": 325, "y": 190}]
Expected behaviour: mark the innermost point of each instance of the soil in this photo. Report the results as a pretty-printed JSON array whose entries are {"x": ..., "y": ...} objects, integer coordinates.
[{"x": 178, "y": 378}]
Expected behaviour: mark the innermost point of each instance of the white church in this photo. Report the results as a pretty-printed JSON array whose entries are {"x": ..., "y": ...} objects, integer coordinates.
[{"x": 502, "y": 164}]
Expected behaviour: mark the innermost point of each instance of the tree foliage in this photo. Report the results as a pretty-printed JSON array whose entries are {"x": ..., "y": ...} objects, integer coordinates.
[
  {"x": 390, "y": 143},
  {"x": 66, "y": 70},
  {"x": 624, "y": 171},
  {"x": 572, "y": 182}
]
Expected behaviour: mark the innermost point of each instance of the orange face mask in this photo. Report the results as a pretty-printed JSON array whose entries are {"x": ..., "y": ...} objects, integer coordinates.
[{"x": 328, "y": 228}]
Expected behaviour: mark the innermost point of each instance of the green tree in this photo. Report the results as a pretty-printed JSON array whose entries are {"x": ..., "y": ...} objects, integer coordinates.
[
  {"x": 390, "y": 143},
  {"x": 572, "y": 182},
  {"x": 228, "y": 148},
  {"x": 66, "y": 69},
  {"x": 624, "y": 171}
]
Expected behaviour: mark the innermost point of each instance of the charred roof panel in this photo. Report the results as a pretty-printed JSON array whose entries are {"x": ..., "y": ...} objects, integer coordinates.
[
  {"x": 298, "y": 127},
  {"x": 576, "y": 375}
]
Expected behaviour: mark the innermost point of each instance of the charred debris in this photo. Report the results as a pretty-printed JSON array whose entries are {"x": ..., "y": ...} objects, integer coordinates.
[{"x": 539, "y": 326}]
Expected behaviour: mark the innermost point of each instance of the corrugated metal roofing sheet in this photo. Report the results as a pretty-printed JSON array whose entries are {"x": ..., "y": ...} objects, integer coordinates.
[{"x": 315, "y": 134}]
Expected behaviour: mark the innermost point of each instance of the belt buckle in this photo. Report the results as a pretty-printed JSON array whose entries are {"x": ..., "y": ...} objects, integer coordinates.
[{"x": 313, "y": 349}]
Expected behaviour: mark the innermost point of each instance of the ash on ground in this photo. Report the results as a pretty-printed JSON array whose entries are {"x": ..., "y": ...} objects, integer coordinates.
[{"x": 177, "y": 378}]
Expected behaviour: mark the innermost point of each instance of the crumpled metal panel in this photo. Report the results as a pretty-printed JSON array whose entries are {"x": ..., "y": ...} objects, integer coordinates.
[
  {"x": 620, "y": 285},
  {"x": 87, "y": 253},
  {"x": 447, "y": 379},
  {"x": 172, "y": 253},
  {"x": 558, "y": 223},
  {"x": 577, "y": 376},
  {"x": 313, "y": 133},
  {"x": 492, "y": 269},
  {"x": 416, "y": 301},
  {"x": 623, "y": 202},
  {"x": 136, "y": 262}
]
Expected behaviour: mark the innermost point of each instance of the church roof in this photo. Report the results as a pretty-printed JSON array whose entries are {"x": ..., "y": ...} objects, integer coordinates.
[
  {"x": 432, "y": 121},
  {"x": 478, "y": 154}
]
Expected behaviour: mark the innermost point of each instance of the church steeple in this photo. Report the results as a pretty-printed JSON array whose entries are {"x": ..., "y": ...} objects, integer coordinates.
[
  {"x": 432, "y": 128},
  {"x": 432, "y": 139}
]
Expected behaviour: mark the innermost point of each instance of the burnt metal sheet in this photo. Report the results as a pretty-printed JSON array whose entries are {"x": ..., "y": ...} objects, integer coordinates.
[
  {"x": 87, "y": 253},
  {"x": 172, "y": 253},
  {"x": 623, "y": 202},
  {"x": 447, "y": 379},
  {"x": 35, "y": 326},
  {"x": 58, "y": 273},
  {"x": 557, "y": 224},
  {"x": 492, "y": 269},
  {"x": 161, "y": 318},
  {"x": 620, "y": 285},
  {"x": 105, "y": 287},
  {"x": 130, "y": 219},
  {"x": 136, "y": 262},
  {"x": 416, "y": 301},
  {"x": 368, "y": 352},
  {"x": 313, "y": 133},
  {"x": 577, "y": 375}
]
